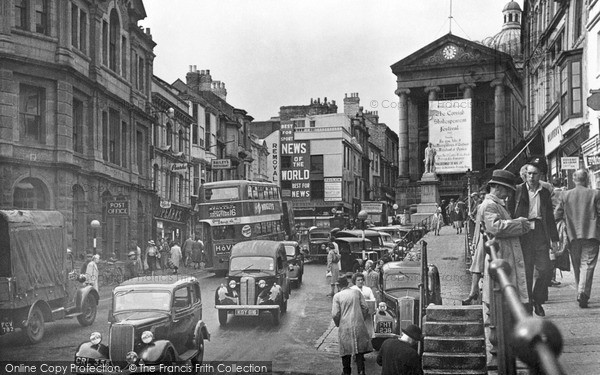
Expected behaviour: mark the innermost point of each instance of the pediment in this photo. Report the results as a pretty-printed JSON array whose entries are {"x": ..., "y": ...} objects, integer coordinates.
[{"x": 449, "y": 50}]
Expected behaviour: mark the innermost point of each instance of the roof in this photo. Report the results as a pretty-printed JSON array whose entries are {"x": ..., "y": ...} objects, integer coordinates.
[
  {"x": 512, "y": 5},
  {"x": 38, "y": 218},
  {"x": 256, "y": 248},
  {"x": 399, "y": 265},
  {"x": 159, "y": 281},
  {"x": 357, "y": 232},
  {"x": 352, "y": 239}
]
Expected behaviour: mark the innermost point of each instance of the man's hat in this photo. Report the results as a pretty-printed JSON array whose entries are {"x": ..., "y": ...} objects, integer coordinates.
[
  {"x": 89, "y": 255},
  {"x": 151, "y": 242},
  {"x": 131, "y": 253},
  {"x": 502, "y": 177},
  {"x": 413, "y": 332}
]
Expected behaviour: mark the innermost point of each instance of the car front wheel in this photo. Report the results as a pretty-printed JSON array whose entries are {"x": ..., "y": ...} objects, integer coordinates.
[
  {"x": 88, "y": 312},
  {"x": 223, "y": 317},
  {"x": 276, "y": 316},
  {"x": 34, "y": 332},
  {"x": 197, "y": 360}
]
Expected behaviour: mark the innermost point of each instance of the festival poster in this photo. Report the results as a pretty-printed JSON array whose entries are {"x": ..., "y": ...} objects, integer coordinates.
[{"x": 450, "y": 135}]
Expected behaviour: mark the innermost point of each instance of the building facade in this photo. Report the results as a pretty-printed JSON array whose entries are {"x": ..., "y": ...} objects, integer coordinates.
[{"x": 75, "y": 130}]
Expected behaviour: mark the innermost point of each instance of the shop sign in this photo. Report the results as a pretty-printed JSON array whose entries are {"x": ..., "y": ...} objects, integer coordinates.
[
  {"x": 593, "y": 161},
  {"x": 552, "y": 135},
  {"x": 180, "y": 168},
  {"x": 220, "y": 164},
  {"x": 117, "y": 208},
  {"x": 569, "y": 162}
]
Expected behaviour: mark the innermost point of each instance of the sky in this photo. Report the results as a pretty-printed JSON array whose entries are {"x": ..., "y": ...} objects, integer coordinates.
[{"x": 273, "y": 53}]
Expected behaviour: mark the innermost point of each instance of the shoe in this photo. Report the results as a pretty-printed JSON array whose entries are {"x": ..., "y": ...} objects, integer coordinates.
[
  {"x": 470, "y": 298},
  {"x": 538, "y": 309},
  {"x": 583, "y": 300},
  {"x": 554, "y": 283}
]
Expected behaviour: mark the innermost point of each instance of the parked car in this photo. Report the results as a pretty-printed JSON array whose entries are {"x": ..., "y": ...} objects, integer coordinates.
[
  {"x": 318, "y": 238},
  {"x": 153, "y": 320},
  {"x": 295, "y": 259},
  {"x": 406, "y": 291},
  {"x": 257, "y": 281},
  {"x": 39, "y": 282},
  {"x": 354, "y": 252},
  {"x": 371, "y": 235}
]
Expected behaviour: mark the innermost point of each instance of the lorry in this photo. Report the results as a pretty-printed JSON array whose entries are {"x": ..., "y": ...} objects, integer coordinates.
[{"x": 38, "y": 280}]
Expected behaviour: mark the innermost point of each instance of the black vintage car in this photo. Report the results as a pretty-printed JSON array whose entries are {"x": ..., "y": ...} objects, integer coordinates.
[
  {"x": 407, "y": 288},
  {"x": 318, "y": 238},
  {"x": 354, "y": 252},
  {"x": 153, "y": 320},
  {"x": 257, "y": 281},
  {"x": 295, "y": 259},
  {"x": 371, "y": 235}
]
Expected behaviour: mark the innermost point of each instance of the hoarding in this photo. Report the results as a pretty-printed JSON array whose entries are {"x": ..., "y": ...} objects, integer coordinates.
[{"x": 450, "y": 135}]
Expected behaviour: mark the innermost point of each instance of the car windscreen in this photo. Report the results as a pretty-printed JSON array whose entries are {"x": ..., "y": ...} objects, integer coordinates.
[
  {"x": 290, "y": 250},
  {"x": 401, "y": 280},
  {"x": 141, "y": 300},
  {"x": 318, "y": 236},
  {"x": 251, "y": 263}
]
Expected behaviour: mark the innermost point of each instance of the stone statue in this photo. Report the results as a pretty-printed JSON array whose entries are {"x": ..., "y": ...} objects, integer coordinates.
[{"x": 429, "y": 158}]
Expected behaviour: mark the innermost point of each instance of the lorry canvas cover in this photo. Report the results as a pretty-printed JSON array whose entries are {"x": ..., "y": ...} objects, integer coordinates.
[{"x": 32, "y": 248}]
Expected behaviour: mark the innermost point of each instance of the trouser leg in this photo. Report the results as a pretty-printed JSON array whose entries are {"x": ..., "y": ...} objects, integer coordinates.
[
  {"x": 589, "y": 258},
  {"x": 360, "y": 362},
  {"x": 347, "y": 364},
  {"x": 575, "y": 252},
  {"x": 543, "y": 269}
]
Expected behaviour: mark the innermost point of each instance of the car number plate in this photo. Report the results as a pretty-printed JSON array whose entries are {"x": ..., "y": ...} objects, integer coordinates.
[
  {"x": 384, "y": 327},
  {"x": 7, "y": 327},
  {"x": 251, "y": 312}
]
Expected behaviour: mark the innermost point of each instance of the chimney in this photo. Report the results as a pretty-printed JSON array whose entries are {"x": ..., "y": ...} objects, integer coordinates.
[
  {"x": 192, "y": 78},
  {"x": 219, "y": 90},
  {"x": 205, "y": 81},
  {"x": 351, "y": 104}
]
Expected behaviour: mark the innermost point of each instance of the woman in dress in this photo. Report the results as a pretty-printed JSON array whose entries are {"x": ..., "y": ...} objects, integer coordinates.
[{"x": 333, "y": 267}]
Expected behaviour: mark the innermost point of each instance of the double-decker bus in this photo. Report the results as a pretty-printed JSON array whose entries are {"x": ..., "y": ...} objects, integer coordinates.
[{"x": 234, "y": 211}]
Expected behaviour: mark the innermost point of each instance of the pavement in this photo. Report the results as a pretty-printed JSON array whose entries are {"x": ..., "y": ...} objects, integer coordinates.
[{"x": 580, "y": 328}]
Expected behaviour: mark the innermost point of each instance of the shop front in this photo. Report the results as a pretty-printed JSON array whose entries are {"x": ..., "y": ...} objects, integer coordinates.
[
  {"x": 171, "y": 222},
  {"x": 590, "y": 150}
]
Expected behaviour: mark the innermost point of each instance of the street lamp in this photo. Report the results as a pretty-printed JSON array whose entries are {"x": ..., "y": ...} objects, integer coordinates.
[
  {"x": 95, "y": 224},
  {"x": 395, "y": 207},
  {"x": 469, "y": 174},
  {"x": 362, "y": 216}
]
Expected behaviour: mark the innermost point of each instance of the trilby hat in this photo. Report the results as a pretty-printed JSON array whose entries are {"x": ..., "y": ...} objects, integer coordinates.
[{"x": 502, "y": 177}]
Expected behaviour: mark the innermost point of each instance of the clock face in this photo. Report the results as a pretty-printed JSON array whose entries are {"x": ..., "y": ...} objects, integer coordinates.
[{"x": 449, "y": 51}]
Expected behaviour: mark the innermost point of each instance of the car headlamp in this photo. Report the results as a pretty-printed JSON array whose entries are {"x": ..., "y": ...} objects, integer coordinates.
[
  {"x": 232, "y": 284},
  {"x": 95, "y": 338},
  {"x": 131, "y": 357},
  {"x": 262, "y": 284},
  {"x": 147, "y": 337},
  {"x": 291, "y": 267}
]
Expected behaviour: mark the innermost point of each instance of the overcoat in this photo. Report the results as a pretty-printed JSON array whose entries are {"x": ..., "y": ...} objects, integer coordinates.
[
  {"x": 351, "y": 307},
  {"x": 498, "y": 223}
]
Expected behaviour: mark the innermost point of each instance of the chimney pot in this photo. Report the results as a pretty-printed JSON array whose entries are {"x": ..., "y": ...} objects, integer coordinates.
[
  {"x": 207, "y": 71},
  {"x": 195, "y": 68}
]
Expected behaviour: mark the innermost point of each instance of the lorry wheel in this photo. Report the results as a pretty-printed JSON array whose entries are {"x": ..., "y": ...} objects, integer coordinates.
[
  {"x": 276, "y": 316},
  {"x": 223, "y": 318},
  {"x": 284, "y": 307},
  {"x": 197, "y": 360},
  {"x": 88, "y": 312},
  {"x": 34, "y": 332}
]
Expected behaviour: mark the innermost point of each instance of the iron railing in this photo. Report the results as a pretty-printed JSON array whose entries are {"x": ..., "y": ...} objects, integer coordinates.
[{"x": 513, "y": 331}]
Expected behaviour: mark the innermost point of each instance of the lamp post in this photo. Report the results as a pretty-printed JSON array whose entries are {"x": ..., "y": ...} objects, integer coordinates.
[
  {"x": 95, "y": 224},
  {"x": 395, "y": 207},
  {"x": 362, "y": 216},
  {"x": 469, "y": 174}
]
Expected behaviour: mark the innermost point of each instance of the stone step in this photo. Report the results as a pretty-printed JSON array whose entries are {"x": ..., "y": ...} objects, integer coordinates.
[
  {"x": 453, "y": 329},
  {"x": 454, "y": 361},
  {"x": 455, "y": 372},
  {"x": 437, "y": 344},
  {"x": 443, "y": 313}
]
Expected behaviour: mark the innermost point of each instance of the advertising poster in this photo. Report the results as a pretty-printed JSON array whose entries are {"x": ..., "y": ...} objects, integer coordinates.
[
  {"x": 273, "y": 162},
  {"x": 333, "y": 189},
  {"x": 450, "y": 135},
  {"x": 298, "y": 172}
]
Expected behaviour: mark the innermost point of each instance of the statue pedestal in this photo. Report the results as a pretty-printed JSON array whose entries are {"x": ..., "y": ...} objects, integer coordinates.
[{"x": 430, "y": 197}]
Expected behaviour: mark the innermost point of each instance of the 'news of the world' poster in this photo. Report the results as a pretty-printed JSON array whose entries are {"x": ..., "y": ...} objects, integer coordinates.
[{"x": 450, "y": 134}]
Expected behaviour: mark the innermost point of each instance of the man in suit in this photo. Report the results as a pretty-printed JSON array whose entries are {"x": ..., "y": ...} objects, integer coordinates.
[
  {"x": 580, "y": 208},
  {"x": 533, "y": 202}
]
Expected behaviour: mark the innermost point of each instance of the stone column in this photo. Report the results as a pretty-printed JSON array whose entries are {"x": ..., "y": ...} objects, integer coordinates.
[
  {"x": 432, "y": 92},
  {"x": 468, "y": 90},
  {"x": 499, "y": 118},
  {"x": 403, "y": 133}
]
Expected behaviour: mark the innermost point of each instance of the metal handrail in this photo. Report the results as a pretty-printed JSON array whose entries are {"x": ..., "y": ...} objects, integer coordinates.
[{"x": 537, "y": 342}]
